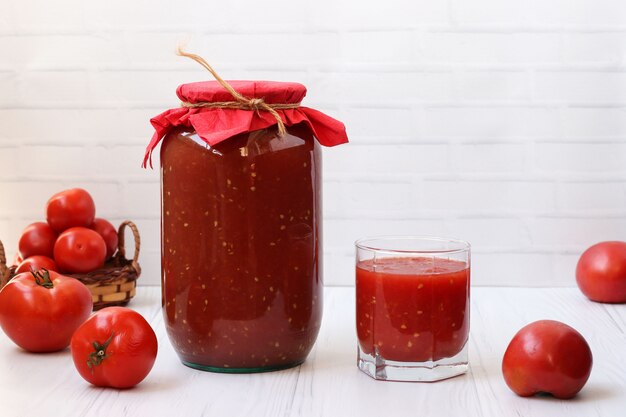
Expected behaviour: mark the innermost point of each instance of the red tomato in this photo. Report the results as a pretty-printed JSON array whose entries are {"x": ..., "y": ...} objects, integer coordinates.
[
  {"x": 40, "y": 311},
  {"x": 37, "y": 239},
  {"x": 36, "y": 262},
  {"x": 116, "y": 348},
  {"x": 547, "y": 356},
  {"x": 108, "y": 233},
  {"x": 70, "y": 208},
  {"x": 601, "y": 272},
  {"x": 79, "y": 250}
]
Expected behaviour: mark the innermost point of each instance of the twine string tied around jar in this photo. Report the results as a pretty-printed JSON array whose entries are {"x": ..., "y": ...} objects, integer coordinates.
[{"x": 241, "y": 102}]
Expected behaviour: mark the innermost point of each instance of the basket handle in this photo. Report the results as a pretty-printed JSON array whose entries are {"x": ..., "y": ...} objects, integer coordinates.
[
  {"x": 121, "y": 248},
  {"x": 4, "y": 269}
]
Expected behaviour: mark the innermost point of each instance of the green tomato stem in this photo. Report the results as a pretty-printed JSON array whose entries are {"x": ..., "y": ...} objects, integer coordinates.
[
  {"x": 42, "y": 277},
  {"x": 99, "y": 354}
]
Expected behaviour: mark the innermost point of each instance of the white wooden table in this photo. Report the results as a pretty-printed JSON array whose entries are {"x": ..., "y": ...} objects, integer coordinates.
[{"x": 329, "y": 384}]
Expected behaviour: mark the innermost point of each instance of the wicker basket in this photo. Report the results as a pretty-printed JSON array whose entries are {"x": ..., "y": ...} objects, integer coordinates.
[
  {"x": 5, "y": 271},
  {"x": 112, "y": 285}
]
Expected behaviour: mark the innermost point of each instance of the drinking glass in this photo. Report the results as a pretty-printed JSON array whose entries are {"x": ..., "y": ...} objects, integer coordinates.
[{"x": 412, "y": 307}]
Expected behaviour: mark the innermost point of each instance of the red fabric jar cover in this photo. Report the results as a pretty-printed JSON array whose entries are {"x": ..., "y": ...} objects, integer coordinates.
[{"x": 214, "y": 125}]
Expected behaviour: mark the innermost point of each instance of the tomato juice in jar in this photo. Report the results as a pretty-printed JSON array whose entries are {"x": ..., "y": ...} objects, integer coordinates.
[
  {"x": 412, "y": 307},
  {"x": 241, "y": 227}
]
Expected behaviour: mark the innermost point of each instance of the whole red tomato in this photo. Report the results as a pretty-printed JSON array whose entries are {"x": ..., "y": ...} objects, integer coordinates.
[
  {"x": 70, "y": 208},
  {"x": 40, "y": 311},
  {"x": 116, "y": 348},
  {"x": 37, "y": 239},
  {"x": 547, "y": 356},
  {"x": 601, "y": 272},
  {"x": 36, "y": 262},
  {"x": 79, "y": 250},
  {"x": 108, "y": 233}
]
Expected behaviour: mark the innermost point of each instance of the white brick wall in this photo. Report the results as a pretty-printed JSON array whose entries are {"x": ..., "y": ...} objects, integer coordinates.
[{"x": 498, "y": 121}]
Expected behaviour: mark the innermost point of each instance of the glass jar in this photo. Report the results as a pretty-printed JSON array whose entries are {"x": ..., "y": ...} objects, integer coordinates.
[
  {"x": 241, "y": 222},
  {"x": 241, "y": 248}
]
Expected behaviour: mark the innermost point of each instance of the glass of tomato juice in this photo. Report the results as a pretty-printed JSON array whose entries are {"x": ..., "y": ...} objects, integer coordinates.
[{"x": 412, "y": 307}]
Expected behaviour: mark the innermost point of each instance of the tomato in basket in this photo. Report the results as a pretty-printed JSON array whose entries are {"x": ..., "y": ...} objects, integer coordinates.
[
  {"x": 70, "y": 208},
  {"x": 36, "y": 262},
  {"x": 37, "y": 239},
  {"x": 108, "y": 233},
  {"x": 79, "y": 250}
]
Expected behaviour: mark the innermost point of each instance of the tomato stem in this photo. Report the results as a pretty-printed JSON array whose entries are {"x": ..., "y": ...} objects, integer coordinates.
[
  {"x": 99, "y": 354},
  {"x": 42, "y": 277}
]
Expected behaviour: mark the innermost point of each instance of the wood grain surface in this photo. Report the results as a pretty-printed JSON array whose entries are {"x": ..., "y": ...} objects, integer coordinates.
[{"x": 329, "y": 383}]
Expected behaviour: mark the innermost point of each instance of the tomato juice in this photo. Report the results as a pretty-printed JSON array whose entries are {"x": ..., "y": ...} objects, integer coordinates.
[
  {"x": 412, "y": 309},
  {"x": 241, "y": 263}
]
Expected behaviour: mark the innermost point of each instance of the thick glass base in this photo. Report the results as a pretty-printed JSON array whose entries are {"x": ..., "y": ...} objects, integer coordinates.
[
  {"x": 379, "y": 368},
  {"x": 241, "y": 370}
]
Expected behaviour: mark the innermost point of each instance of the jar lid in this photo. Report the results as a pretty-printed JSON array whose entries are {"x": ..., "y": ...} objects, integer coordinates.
[
  {"x": 214, "y": 124},
  {"x": 218, "y": 110},
  {"x": 272, "y": 92}
]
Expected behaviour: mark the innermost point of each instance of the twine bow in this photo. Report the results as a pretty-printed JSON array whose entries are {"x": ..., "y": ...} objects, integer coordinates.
[{"x": 241, "y": 102}]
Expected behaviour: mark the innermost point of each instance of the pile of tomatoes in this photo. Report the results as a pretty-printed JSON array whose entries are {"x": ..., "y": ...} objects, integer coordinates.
[
  {"x": 72, "y": 240},
  {"x": 42, "y": 310}
]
